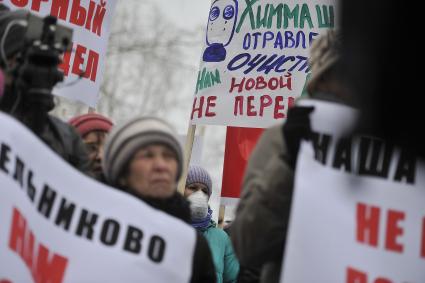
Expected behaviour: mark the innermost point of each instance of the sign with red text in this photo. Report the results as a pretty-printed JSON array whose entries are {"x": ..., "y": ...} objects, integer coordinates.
[
  {"x": 90, "y": 21},
  {"x": 58, "y": 225},
  {"x": 358, "y": 213},
  {"x": 254, "y": 62}
]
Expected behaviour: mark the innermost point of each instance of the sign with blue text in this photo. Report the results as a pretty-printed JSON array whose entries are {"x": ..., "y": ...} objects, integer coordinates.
[{"x": 254, "y": 62}]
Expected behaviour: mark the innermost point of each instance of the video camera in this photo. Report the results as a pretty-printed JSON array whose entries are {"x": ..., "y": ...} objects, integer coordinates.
[{"x": 35, "y": 70}]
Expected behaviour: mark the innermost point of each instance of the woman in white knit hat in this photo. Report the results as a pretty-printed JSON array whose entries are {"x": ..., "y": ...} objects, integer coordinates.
[{"x": 144, "y": 158}]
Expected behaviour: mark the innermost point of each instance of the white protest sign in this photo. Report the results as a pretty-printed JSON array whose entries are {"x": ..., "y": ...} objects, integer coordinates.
[
  {"x": 57, "y": 225},
  {"x": 90, "y": 21},
  {"x": 254, "y": 62},
  {"x": 358, "y": 213}
]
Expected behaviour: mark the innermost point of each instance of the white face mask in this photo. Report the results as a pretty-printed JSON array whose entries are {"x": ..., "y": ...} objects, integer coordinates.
[{"x": 198, "y": 205}]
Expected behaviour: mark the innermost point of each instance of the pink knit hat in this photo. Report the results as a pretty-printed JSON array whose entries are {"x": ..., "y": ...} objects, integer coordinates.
[{"x": 91, "y": 122}]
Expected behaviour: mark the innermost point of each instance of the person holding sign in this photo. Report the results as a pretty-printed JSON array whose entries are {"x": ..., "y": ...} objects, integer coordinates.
[
  {"x": 144, "y": 158},
  {"x": 30, "y": 74},
  {"x": 93, "y": 129},
  {"x": 260, "y": 226},
  {"x": 198, "y": 190}
]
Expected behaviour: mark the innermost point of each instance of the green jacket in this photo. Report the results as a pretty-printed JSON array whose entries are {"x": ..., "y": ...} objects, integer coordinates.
[{"x": 225, "y": 261}]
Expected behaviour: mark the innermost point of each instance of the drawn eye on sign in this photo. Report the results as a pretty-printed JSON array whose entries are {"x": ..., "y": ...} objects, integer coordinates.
[{"x": 220, "y": 29}]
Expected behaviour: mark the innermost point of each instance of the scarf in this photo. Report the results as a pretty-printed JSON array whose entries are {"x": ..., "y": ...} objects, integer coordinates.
[{"x": 202, "y": 223}]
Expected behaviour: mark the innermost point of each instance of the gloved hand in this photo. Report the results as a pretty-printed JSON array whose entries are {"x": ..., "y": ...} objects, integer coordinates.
[{"x": 296, "y": 128}]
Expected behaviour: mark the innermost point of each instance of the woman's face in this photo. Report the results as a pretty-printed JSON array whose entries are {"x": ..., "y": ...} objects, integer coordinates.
[
  {"x": 192, "y": 188},
  {"x": 94, "y": 142},
  {"x": 153, "y": 172}
]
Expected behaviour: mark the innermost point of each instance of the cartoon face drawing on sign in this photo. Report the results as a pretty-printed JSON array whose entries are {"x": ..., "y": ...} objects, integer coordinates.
[{"x": 220, "y": 29}]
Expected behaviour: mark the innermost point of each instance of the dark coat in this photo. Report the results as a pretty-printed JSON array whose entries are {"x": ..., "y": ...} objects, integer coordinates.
[
  {"x": 65, "y": 141},
  {"x": 202, "y": 268},
  {"x": 58, "y": 135},
  {"x": 259, "y": 229}
]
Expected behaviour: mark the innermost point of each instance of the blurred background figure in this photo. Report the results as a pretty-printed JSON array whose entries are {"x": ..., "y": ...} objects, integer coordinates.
[
  {"x": 198, "y": 190},
  {"x": 327, "y": 80},
  {"x": 260, "y": 226},
  {"x": 144, "y": 158},
  {"x": 93, "y": 129}
]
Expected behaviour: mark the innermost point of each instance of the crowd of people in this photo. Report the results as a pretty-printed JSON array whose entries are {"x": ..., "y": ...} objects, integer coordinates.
[{"x": 143, "y": 158}]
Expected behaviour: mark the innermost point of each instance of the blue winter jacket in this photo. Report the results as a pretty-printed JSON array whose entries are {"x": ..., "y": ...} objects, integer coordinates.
[{"x": 225, "y": 261}]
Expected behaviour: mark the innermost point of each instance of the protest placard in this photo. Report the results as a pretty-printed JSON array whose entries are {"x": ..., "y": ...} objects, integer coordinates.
[
  {"x": 90, "y": 21},
  {"x": 58, "y": 225},
  {"x": 254, "y": 63},
  {"x": 358, "y": 213}
]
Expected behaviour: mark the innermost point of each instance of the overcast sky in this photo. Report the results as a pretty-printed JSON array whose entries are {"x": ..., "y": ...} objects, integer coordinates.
[{"x": 186, "y": 13}]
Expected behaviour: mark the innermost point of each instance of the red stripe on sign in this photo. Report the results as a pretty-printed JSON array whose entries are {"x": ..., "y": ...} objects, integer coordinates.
[{"x": 239, "y": 144}]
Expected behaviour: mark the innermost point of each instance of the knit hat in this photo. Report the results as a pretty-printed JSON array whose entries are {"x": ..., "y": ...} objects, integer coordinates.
[
  {"x": 324, "y": 53},
  {"x": 14, "y": 40},
  {"x": 91, "y": 122},
  {"x": 198, "y": 174},
  {"x": 125, "y": 140}
]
